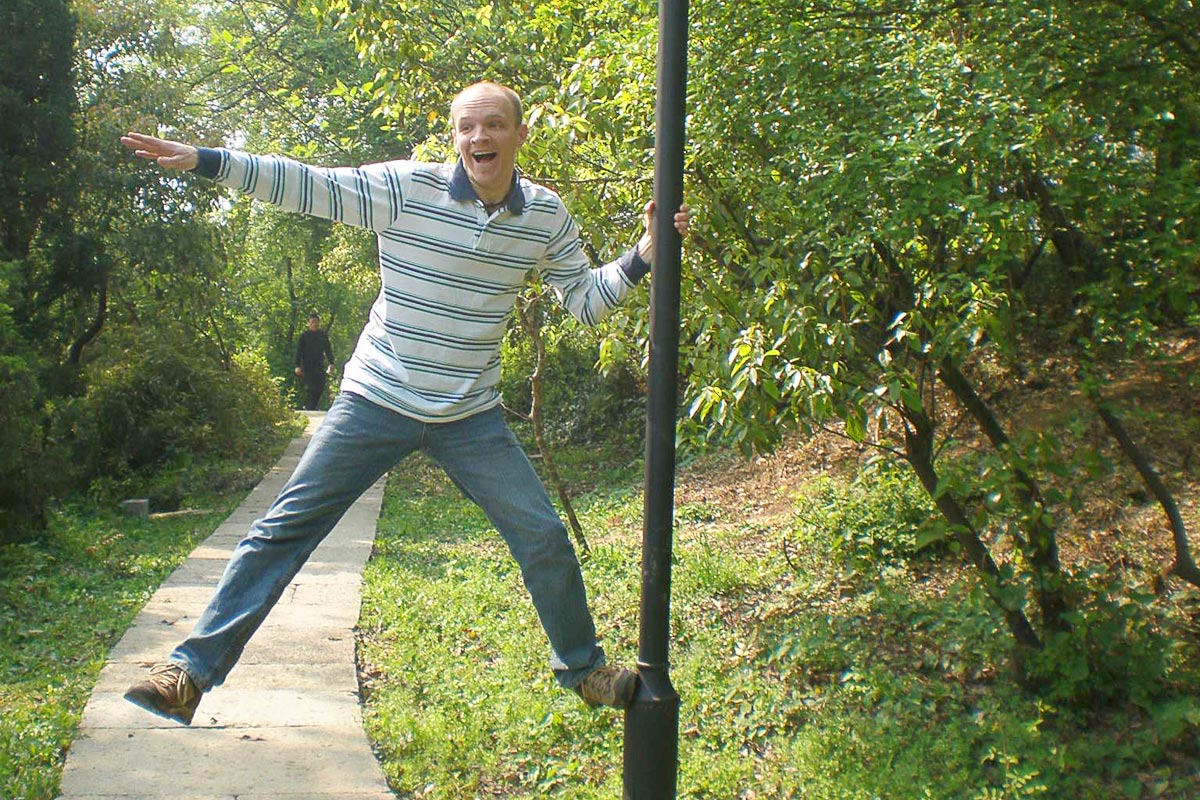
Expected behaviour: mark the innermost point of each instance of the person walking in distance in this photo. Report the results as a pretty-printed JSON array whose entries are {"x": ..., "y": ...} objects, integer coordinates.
[
  {"x": 456, "y": 242},
  {"x": 311, "y": 353}
]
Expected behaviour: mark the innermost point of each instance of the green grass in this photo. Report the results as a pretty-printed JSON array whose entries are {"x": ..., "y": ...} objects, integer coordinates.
[
  {"x": 835, "y": 666},
  {"x": 64, "y": 602},
  {"x": 66, "y": 599},
  {"x": 461, "y": 697},
  {"x": 802, "y": 672}
]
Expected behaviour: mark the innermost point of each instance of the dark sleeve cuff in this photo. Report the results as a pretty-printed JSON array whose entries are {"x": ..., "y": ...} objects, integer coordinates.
[
  {"x": 208, "y": 162},
  {"x": 633, "y": 266}
]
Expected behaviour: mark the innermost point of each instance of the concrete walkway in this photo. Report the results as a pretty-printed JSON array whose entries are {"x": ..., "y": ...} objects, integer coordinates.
[{"x": 285, "y": 725}]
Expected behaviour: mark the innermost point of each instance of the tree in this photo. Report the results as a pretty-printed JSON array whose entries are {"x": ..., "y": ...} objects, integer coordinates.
[
  {"x": 898, "y": 202},
  {"x": 279, "y": 83},
  {"x": 893, "y": 199},
  {"x": 37, "y": 104},
  {"x": 98, "y": 250}
]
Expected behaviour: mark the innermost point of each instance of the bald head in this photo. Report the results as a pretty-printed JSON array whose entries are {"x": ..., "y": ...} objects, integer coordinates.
[{"x": 483, "y": 88}]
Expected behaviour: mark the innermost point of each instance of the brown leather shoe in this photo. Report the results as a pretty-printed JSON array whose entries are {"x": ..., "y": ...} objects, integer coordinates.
[
  {"x": 608, "y": 686},
  {"x": 168, "y": 692}
]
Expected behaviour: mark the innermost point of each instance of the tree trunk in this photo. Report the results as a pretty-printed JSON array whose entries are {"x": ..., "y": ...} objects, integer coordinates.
[
  {"x": 93, "y": 330},
  {"x": 292, "y": 304},
  {"x": 226, "y": 356},
  {"x": 918, "y": 439},
  {"x": 1184, "y": 566},
  {"x": 1075, "y": 249},
  {"x": 1041, "y": 545}
]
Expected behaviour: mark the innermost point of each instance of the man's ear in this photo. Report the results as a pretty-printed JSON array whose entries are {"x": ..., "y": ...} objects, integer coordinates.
[{"x": 522, "y": 134}]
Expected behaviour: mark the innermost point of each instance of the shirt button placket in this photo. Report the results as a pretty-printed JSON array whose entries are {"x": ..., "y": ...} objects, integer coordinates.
[{"x": 481, "y": 221}]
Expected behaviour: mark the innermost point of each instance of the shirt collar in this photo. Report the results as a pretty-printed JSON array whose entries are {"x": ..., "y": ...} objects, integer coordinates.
[{"x": 462, "y": 190}]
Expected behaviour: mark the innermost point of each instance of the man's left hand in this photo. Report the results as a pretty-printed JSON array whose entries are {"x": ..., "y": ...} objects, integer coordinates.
[{"x": 646, "y": 244}]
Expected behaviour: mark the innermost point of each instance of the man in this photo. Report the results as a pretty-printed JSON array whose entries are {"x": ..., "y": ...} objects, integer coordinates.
[
  {"x": 455, "y": 245},
  {"x": 311, "y": 352}
]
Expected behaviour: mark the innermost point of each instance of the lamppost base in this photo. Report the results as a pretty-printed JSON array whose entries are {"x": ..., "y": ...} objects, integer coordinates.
[{"x": 652, "y": 738}]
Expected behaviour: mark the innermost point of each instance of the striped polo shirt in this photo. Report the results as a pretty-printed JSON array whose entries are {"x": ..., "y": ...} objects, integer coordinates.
[{"x": 450, "y": 271}]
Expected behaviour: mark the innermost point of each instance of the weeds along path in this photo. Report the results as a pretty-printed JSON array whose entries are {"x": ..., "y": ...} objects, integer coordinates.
[{"x": 287, "y": 721}]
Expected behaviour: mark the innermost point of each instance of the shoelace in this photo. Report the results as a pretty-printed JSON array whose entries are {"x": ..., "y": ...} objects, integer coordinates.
[{"x": 173, "y": 680}]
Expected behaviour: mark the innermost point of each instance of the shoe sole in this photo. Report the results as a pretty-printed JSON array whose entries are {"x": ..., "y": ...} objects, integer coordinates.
[{"x": 180, "y": 714}]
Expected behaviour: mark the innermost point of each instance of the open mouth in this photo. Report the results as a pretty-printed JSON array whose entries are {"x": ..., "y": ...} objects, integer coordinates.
[{"x": 482, "y": 158}]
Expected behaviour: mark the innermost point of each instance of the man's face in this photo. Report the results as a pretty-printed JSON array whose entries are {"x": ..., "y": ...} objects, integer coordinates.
[
  {"x": 314, "y": 323},
  {"x": 487, "y": 137}
]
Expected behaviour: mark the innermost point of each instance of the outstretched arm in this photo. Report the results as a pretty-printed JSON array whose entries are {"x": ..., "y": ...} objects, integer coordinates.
[
  {"x": 168, "y": 154},
  {"x": 366, "y": 197}
]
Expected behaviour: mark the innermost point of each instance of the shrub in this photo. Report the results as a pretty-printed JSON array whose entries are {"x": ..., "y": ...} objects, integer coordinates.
[
  {"x": 157, "y": 405},
  {"x": 1113, "y": 651}
]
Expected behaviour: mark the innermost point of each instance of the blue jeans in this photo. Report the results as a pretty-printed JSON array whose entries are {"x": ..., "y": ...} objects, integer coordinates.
[{"x": 358, "y": 442}]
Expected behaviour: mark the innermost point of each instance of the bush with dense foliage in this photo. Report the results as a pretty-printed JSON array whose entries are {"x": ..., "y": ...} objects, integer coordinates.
[{"x": 157, "y": 403}]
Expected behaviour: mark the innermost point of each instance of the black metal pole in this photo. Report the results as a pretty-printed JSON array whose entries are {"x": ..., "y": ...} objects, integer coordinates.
[{"x": 652, "y": 721}]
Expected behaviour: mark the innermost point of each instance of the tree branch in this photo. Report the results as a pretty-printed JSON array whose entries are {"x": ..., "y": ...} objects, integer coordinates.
[{"x": 527, "y": 310}]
